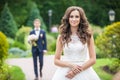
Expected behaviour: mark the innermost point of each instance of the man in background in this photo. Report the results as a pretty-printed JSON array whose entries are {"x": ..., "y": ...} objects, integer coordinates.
[{"x": 39, "y": 47}]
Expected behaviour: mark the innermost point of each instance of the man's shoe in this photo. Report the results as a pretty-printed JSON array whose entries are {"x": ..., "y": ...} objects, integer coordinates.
[
  {"x": 36, "y": 78},
  {"x": 40, "y": 74}
]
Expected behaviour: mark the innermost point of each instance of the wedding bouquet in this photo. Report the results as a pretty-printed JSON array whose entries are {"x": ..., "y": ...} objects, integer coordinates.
[{"x": 32, "y": 38}]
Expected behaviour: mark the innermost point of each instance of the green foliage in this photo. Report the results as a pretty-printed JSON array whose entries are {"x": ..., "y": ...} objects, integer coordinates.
[
  {"x": 21, "y": 37},
  {"x": 96, "y": 30},
  {"x": 15, "y": 73},
  {"x": 108, "y": 42},
  {"x": 19, "y": 45},
  {"x": 10, "y": 41},
  {"x": 96, "y": 11},
  {"x": 115, "y": 66},
  {"x": 14, "y": 43},
  {"x": 7, "y": 24},
  {"x": 52, "y": 48},
  {"x": 15, "y": 51},
  {"x": 4, "y": 72},
  {"x": 100, "y": 63},
  {"x": 20, "y": 10},
  {"x": 35, "y": 13},
  {"x": 11, "y": 73},
  {"x": 3, "y": 54},
  {"x": 51, "y": 43},
  {"x": 22, "y": 33},
  {"x": 3, "y": 47}
]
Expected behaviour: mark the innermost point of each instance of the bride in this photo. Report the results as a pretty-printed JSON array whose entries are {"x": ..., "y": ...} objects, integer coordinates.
[{"x": 76, "y": 42}]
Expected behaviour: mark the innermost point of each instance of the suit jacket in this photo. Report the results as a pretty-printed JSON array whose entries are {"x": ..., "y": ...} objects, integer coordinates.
[{"x": 41, "y": 42}]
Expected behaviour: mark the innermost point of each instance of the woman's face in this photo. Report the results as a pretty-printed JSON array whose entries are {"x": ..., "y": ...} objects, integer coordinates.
[{"x": 74, "y": 18}]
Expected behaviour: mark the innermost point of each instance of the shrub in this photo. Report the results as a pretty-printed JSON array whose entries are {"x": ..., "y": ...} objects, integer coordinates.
[
  {"x": 22, "y": 32},
  {"x": 51, "y": 43},
  {"x": 4, "y": 72},
  {"x": 108, "y": 42},
  {"x": 3, "y": 54},
  {"x": 16, "y": 73},
  {"x": 3, "y": 46},
  {"x": 19, "y": 45},
  {"x": 17, "y": 52},
  {"x": 10, "y": 41},
  {"x": 115, "y": 66}
]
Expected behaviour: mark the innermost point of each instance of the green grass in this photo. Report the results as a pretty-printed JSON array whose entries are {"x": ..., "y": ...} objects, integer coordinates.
[
  {"x": 16, "y": 73},
  {"x": 98, "y": 68}
]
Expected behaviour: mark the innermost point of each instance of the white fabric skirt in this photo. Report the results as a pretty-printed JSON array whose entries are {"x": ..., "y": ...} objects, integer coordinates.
[{"x": 88, "y": 74}]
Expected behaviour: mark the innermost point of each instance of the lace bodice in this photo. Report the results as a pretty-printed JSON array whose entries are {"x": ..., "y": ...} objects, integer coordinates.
[
  {"x": 75, "y": 50},
  {"x": 75, "y": 53}
]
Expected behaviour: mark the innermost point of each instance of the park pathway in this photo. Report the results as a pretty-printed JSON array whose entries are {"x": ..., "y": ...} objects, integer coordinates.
[{"x": 26, "y": 64}]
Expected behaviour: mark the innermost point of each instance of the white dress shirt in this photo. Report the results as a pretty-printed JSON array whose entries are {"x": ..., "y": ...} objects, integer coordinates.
[{"x": 37, "y": 31}]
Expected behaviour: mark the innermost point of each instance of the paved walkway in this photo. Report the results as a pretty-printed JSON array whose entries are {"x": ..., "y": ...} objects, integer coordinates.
[{"x": 26, "y": 64}]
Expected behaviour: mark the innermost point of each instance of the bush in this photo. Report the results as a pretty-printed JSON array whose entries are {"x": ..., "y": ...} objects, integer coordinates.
[
  {"x": 52, "y": 48},
  {"x": 19, "y": 45},
  {"x": 4, "y": 72},
  {"x": 22, "y": 32},
  {"x": 3, "y": 54},
  {"x": 15, "y": 73},
  {"x": 51, "y": 43},
  {"x": 14, "y": 43},
  {"x": 108, "y": 42},
  {"x": 115, "y": 66},
  {"x": 10, "y": 41},
  {"x": 3, "y": 47},
  {"x": 17, "y": 52}
]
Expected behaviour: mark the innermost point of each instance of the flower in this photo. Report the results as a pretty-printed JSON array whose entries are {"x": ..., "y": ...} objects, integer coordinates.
[
  {"x": 32, "y": 38},
  {"x": 41, "y": 35}
]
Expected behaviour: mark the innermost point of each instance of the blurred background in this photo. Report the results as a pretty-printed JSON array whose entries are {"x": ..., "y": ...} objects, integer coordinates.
[{"x": 16, "y": 21}]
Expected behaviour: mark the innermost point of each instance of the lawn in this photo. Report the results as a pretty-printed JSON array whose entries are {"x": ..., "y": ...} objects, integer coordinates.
[{"x": 98, "y": 68}]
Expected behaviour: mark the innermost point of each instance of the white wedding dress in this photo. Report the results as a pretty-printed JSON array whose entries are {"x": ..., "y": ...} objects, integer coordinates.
[{"x": 77, "y": 53}]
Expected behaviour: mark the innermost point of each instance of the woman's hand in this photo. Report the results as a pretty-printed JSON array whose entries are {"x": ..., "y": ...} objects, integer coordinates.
[
  {"x": 75, "y": 70},
  {"x": 70, "y": 74}
]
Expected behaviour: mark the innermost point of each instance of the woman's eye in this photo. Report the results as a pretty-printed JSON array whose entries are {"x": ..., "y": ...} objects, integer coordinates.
[
  {"x": 77, "y": 16},
  {"x": 71, "y": 16},
  {"x": 74, "y": 16}
]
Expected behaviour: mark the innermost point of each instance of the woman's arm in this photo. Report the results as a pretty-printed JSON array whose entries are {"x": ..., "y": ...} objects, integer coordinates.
[{"x": 58, "y": 53}]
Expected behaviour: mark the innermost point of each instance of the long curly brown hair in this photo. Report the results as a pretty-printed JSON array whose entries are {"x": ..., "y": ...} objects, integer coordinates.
[{"x": 83, "y": 32}]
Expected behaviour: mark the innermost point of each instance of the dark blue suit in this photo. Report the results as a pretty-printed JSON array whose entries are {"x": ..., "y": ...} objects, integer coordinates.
[{"x": 37, "y": 51}]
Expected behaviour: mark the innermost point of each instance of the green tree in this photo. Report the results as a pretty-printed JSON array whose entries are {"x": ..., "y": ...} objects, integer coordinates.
[
  {"x": 35, "y": 13},
  {"x": 7, "y": 24},
  {"x": 96, "y": 10}
]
